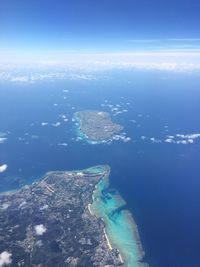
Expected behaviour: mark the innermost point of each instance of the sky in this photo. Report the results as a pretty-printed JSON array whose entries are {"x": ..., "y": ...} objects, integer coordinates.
[{"x": 98, "y": 26}]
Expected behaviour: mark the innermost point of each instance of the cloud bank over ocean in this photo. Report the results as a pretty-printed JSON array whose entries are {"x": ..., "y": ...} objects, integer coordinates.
[{"x": 171, "y": 60}]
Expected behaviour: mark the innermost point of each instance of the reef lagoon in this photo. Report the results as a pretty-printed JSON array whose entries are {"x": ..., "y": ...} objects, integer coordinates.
[{"x": 120, "y": 229}]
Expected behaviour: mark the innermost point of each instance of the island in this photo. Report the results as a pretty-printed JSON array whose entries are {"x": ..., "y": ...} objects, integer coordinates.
[
  {"x": 95, "y": 126},
  {"x": 60, "y": 221}
]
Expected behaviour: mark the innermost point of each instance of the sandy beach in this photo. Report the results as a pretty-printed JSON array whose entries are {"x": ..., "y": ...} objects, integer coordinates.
[{"x": 90, "y": 209}]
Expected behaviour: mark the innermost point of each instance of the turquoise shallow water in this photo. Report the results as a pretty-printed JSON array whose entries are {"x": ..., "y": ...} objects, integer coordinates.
[
  {"x": 78, "y": 131},
  {"x": 120, "y": 227}
]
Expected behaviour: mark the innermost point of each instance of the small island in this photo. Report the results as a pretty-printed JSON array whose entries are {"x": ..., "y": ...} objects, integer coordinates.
[{"x": 96, "y": 126}]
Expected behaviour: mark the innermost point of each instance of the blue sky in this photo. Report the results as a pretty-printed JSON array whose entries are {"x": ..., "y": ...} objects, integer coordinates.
[
  {"x": 99, "y": 25},
  {"x": 159, "y": 34}
]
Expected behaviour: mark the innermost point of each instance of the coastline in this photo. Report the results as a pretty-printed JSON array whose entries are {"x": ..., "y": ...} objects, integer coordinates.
[
  {"x": 9, "y": 192},
  {"x": 106, "y": 237},
  {"x": 90, "y": 210},
  {"x": 111, "y": 248},
  {"x": 107, "y": 240},
  {"x": 129, "y": 246}
]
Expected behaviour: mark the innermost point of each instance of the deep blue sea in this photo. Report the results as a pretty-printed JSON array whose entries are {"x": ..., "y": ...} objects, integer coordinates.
[{"x": 159, "y": 179}]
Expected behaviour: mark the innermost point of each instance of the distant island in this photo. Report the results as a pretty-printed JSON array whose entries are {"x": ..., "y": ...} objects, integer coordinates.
[
  {"x": 96, "y": 126},
  {"x": 61, "y": 221}
]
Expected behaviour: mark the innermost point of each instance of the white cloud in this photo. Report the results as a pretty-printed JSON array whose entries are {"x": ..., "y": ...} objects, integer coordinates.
[
  {"x": 40, "y": 229},
  {"x": 19, "y": 79},
  {"x": 184, "y": 142},
  {"x": 169, "y": 140},
  {"x": 154, "y": 140},
  {"x": 121, "y": 137},
  {"x": 62, "y": 144},
  {"x": 170, "y": 136},
  {"x": 44, "y": 123},
  {"x": 164, "y": 40},
  {"x": 189, "y": 136},
  {"x": 53, "y": 65},
  {"x": 56, "y": 124},
  {"x": 5, "y": 258},
  {"x": 74, "y": 76},
  {"x": 3, "y": 168},
  {"x": 127, "y": 139},
  {"x": 184, "y": 139},
  {"x": 2, "y": 140}
]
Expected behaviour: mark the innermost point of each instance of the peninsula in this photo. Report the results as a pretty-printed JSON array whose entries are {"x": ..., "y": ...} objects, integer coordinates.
[
  {"x": 68, "y": 219},
  {"x": 49, "y": 224},
  {"x": 96, "y": 126}
]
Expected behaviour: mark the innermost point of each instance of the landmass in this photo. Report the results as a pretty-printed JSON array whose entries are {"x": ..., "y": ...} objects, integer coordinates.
[
  {"x": 96, "y": 126},
  {"x": 49, "y": 223}
]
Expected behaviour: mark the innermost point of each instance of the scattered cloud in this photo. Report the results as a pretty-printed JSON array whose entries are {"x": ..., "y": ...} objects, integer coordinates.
[
  {"x": 44, "y": 123},
  {"x": 88, "y": 77},
  {"x": 184, "y": 139},
  {"x": 185, "y": 142},
  {"x": 62, "y": 144},
  {"x": 184, "y": 39},
  {"x": 164, "y": 40},
  {"x": 40, "y": 229},
  {"x": 56, "y": 124},
  {"x": 154, "y": 140},
  {"x": 189, "y": 136},
  {"x": 2, "y": 140},
  {"x": 169, "y": 140},
  {"x": 3, "y": 168},
  {"x": 33, "y": 76},
  {"x": 121, "y": 137},
  {"x": 19, "y": 79},
  {"x": 5, "y": 258}
]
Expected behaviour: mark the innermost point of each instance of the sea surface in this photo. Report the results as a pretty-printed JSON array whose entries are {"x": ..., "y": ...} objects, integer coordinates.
[{"x": 154, "y": 162}]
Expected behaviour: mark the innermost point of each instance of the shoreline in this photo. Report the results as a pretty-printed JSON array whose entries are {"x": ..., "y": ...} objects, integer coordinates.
[
  {"x": 127, "y": 226},
  {"x": 107, "y": 240},
  {"x": 91, "y": 213},
  {"x": 111, "y": 248}
]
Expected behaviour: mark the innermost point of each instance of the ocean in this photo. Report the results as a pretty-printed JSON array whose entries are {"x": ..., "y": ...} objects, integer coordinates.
[{"x": 156, "y": 170}]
